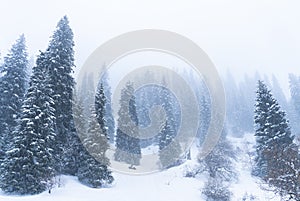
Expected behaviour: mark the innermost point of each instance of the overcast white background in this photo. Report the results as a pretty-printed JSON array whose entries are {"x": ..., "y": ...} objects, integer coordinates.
[{"x": 243, "y": 36}]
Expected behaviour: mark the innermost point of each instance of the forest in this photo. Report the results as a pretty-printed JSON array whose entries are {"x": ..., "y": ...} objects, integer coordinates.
[{"x": 50, "y": 128}]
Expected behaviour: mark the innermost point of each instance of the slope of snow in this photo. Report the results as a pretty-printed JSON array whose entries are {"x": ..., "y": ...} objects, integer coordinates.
[
  {"x": 247, "y": 186},
  {"x": 169, "y": 185},
  {"x": 162, "y": 186}
]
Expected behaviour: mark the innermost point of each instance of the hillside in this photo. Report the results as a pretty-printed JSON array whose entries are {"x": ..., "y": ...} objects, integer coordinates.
[{"x": 167, "y": 185}]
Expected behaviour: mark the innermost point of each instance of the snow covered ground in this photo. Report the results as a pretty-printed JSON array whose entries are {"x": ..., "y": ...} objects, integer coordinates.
[
  {"x": 247, "y": 185},
  {"x": 162, "y": 186}
]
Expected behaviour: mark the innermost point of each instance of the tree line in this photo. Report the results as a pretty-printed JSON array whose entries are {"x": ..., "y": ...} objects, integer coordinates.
[
  {"x": 48, "y": 129},
  {"x": 39, "y": 140}
]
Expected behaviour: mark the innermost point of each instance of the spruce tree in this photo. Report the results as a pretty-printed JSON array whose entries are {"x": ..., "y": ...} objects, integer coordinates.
[
  {"x": 100, "y": 105},
  {"x": 277, "y": 160},
  {"x": 87, "y": 94},
  {"x": 127, "y": 138},
  {"x": 93, "y": 170},
  {"x": 109, "y": 119},
  {"x": 278, "y": 93},
  {"x": 233, "y": 105},
  {"x": 294, "y": 82},
  {"x": 169, "y": 147},
  {"x": 29, "y": 167},
  {"x": 12, "y": 90},
  {"x": 60, "y": 63},
  {"x": 79, "y": 117},
  {"x": 205, "y": 117},
  {"x": 294, "y": 107}
]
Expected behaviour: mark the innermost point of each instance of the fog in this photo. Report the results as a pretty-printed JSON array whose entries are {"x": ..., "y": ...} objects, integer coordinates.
[{"x": 242, "y": 36}]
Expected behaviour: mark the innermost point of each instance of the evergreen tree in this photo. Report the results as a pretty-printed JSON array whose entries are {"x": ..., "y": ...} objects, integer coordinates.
[
  {"x": 28, "y": 167},
  {"x": 278, "y": 93},
  {"x": 60, "y": 63},
  {"x": 277, "y": 160},
  {"x": 205, "y": 117},
  {"x": 246, "y": 98},
  {"x": 87, "y": 94},
  {"x": 294, "y": 106},
  {"x": 169, "y": 147},
  {"x": 100, "y": 105},
  {"x": 12, "y": 90},
  {"x": 127, "y": 138},
  {"x": 109, "y": 119},
  {"x": 295, "y": 91},
  {"x": 79, "y": 117},
  {"x": 93, "y": 170},
  {"x": 233, "y": 105}
]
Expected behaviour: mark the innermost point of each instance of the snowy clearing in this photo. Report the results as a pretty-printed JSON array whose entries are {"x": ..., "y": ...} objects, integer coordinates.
[{"x": 162, "y": 186}]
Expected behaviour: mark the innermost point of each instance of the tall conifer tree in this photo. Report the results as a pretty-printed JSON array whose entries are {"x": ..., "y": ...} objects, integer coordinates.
[
  {"x": 277, "y": 160},
  {"x": 60, "y": 64},
  {"x": 12, "y": 90},
  {"x": 127, "y": 138},
  {"x": 29, "y": 167}
]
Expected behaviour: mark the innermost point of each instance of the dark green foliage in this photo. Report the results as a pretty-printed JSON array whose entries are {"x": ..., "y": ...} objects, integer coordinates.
[
  {"x": 205, "y": 118},
  {"x": 109, "y": 119},
  {"x": 28, "y": 167},
  {"x": 169, "y": 147},
  {"x": 93, "y": 170},
  {"x": 100, "y": 105},
  {"x": 127, "y": 138},
  {"x": 60, "y": 63},
  {"x": 12, "y": 90},
  {"x": 277, "y": 160}
]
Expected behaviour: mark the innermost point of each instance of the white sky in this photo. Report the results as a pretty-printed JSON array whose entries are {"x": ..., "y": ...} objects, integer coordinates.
[{"x": 240, "y": 35}]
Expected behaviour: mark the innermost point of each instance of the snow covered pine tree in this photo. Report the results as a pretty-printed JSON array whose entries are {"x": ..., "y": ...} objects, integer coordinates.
[
  {"x": 12, "y": 90},
  {"x": 110, "y": 122},
  {"x": 29, "y": 166},
  {"x": 169, "y": 147},
  {"x": 60, "y": 62},
  {"x": 127, "y": 138},
  {"x": 277, "y": 160},
  {"x": 93, "y": 170}
]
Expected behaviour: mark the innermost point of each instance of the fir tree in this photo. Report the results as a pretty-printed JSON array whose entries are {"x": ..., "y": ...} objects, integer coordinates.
[
  {"x": 93, "y": 170},
  {"x": 205, "y": 117},
  {"x": 100, "y": 105},
  {"x": 295, "y": 91},
  {"x": 28, "y": 167},
  {"x": 278, "y": 93},
  {"x": 127, "y": 138},
  {"x": 79, "y": 117},
  {"x": 294, "y": 112},
  {"x": 233, "y": 105},
  {"x": 60, "y": 63},
  {"x": 87, "y": 94},
  {"x": 245, "y": 102},
  {"x": 277, "y": 160},
  {"x": 109, "y": 119},
  {"x": 12, "y": 90},
  {"x": 169, "y": 147}
]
